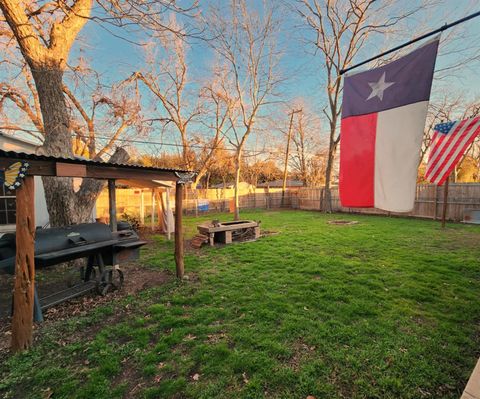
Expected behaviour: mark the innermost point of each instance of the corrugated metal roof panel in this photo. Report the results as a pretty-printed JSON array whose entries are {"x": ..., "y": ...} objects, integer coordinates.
[{"x": 83, "y": 161}]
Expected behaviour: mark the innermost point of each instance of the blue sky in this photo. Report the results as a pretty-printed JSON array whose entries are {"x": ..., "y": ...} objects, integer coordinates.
[{"x": 115, "y": 59}]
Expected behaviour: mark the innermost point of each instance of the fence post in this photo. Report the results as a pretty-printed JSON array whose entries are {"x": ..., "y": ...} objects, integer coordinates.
[{"x": 436, "y": 203}]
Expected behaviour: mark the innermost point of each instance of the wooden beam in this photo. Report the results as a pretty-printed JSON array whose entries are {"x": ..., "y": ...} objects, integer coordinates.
[
  {"x": 179, "y": 262},
  {"x": 36, "y": 168},
  {"x": 112, "y": 204},
  {"x": 71, "y": 170},
  {"x": 23, "y": 296},
  {"x": 110, "y": 172},
  {"x": 76, "y": 169}
]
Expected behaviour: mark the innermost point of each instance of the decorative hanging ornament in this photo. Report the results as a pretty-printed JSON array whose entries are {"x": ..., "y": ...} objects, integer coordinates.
[{"x": 12, "y": 177}]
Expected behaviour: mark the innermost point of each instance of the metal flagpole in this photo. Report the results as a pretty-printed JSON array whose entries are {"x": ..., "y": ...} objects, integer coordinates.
[{"x": 434, "y": 32}]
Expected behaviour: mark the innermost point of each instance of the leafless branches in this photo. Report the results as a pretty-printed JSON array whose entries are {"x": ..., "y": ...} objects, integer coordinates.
[{"x": 246, "y": 44}]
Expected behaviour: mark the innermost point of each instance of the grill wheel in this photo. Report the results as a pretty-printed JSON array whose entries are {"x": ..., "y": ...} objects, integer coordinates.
[{"x": 112, "y": 279}]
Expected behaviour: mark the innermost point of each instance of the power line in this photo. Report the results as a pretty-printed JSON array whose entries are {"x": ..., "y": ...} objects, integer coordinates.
[
  {"x": 257, "y": 152},
  {"x": 252, "y": 152},
  {"x": 433, "y": 32}
]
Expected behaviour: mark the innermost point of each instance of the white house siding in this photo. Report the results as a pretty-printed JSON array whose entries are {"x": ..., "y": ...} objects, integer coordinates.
[{"x": 10, "y": 143}]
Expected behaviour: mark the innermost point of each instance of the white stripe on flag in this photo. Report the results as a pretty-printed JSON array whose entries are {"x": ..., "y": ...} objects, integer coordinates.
[
  {"x": 452, "y": 138},
  {"x": 460, "y": 148},
  {"x": 398, "y": 139}
]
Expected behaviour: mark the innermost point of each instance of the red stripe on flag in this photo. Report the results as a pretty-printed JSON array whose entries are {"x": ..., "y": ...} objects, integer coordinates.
[
  {"x": 357, "y": 160},
  {"x": 437, "y": 140}
]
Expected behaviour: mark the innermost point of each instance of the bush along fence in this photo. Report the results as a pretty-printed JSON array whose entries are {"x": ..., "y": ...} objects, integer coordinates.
[{"x": 462, "y": 197}]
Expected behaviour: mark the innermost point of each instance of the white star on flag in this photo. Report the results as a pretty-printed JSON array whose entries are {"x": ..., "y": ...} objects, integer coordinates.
[{"x": 379, "y": 87}]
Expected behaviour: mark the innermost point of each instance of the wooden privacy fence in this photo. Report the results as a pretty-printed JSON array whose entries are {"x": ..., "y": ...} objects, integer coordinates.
[
  {"x": 196, "y": 202},
  {"x": 428, "y": 201}
]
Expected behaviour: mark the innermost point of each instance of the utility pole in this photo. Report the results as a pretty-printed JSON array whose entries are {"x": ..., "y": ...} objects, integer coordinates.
[{"x": 287, "y": 154}]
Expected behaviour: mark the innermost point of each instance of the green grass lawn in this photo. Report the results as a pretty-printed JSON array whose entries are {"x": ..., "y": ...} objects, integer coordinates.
[{"x": 387, "y": 308}]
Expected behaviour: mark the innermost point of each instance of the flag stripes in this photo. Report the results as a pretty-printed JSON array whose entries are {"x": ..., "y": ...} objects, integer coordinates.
[{"x": 448, "y": 148}]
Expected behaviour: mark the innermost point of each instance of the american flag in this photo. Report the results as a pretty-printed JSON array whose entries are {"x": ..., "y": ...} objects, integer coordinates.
[{"x": 449, "y": 142}]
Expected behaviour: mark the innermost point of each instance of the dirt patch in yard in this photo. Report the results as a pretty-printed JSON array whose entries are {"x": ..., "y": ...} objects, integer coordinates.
[{"x": 136, "y": 279}]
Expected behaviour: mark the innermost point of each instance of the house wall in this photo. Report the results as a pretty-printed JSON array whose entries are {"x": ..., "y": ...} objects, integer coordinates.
[{"x": 9, "y": 143}]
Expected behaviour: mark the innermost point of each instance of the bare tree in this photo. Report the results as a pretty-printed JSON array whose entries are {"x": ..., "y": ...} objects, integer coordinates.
[
  {"x": 219, "y": 107},
  {"x": 104, "y": 114},
  {"x": 245, "y": 41},
  {"x": 45, "y": 33},
  {"x": 167, "y": 80},
  {"x": 309, "y": 158},
  {"x": 183, "y": 105}
]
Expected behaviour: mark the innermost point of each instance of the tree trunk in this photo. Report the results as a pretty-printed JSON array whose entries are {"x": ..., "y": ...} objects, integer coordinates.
[
  {"x": 56, "y": 119},
  {"x": 236, "y": 215},
  {"x": 327, "y": 198},
  {"x": 207, "y": 182},
  {"x": 59, "y": 192}
]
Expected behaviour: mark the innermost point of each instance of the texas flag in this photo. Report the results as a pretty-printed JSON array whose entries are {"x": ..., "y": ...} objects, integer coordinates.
[{"x": 383, "y": 118}]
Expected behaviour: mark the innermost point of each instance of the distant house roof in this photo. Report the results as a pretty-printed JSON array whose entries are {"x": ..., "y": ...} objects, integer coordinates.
[
  {"x": 279, "y": 183},
  {"x": 9, "y": 142}
]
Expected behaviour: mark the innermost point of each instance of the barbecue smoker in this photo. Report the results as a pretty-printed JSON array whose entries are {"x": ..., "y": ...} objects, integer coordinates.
[{"x": 93, "y": 241}]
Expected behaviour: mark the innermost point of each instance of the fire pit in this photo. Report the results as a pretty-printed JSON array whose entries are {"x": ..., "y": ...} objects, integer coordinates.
[
  {"x": 227, "y": 232},
  {"x": 343, "y": 222}
]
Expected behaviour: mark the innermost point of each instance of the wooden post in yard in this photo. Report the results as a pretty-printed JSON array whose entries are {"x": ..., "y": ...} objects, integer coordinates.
[
  {"x": 142, "y": 208},
  {"x": 23, "y": 296},
  {"x": 112, "y": 204},
  {"x": 160, "y": 210},
  {"x": 179, "y": 188},
  {"x": 168, "y": 214},
  {"x": 153, "y": 210},
  {"x": 445, "y": 202}
]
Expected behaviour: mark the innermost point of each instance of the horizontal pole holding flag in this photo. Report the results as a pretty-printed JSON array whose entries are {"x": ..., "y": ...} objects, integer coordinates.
[{"x": 434, "y": 32}]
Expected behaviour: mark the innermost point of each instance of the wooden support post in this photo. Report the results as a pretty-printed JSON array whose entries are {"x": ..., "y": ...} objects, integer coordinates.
[
  {"x": 169, "y": 219},
  {"x": 179, "y": 188},
  {"x": 436, "y": 203},
  {"x": 142, "y": 208},
  {"x": 23, "y": 296},
  {"x": 112, "y": 204},
  {"x": 153, "y": 209},
  {"x": 161, "y": 220},
  {"x": 445, "y": 202}
]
